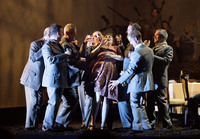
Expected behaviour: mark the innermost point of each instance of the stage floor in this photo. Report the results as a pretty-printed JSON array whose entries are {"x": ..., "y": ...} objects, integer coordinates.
[
  {"x": 12, "y": 126},
  {"x": 18, "y": 132}
]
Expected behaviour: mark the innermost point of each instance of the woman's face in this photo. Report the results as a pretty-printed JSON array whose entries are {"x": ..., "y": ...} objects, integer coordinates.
[
  {"x": 109, "y": 39},
  {"x": 96, "y": 37}
]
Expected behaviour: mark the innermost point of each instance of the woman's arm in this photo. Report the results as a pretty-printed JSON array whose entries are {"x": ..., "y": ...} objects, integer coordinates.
[
  {"x": 96, "y": 50},
  {"x": 116, "y": 57}
]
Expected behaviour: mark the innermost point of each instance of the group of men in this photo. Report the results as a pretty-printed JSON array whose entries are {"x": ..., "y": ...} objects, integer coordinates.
[
  {"x": 146, "y": 74},
  {"x": 48, "y": 66}
]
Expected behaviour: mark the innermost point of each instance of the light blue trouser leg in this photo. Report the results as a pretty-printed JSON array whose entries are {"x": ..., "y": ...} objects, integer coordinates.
[
  {"x": 82, "y": 98},
  {"x": 67, "y": 108},
  {"x": 87, "y": 109},
  {"x": 145, "y": 121},
  {"x": 54, "y": 95},
  {"x": 124, "y": 107},
  {"x": 33, "y": 104},
  {"x": 135, "y": 106},
  {"x": 125, "y": 113}
]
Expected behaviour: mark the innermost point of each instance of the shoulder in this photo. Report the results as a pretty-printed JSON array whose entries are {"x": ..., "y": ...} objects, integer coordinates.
[
  {"x": 168, "y": 47},
  {"x": 48, "y": 45},
  {"x": 62, "y": 39},
  {"x": 136, "y": 53},
  {"x": 64, "y": 42},
  {"x": 38, "y": 42}
]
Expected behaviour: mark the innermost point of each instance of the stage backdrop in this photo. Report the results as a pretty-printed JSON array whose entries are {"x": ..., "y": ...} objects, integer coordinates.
[{"x": 23, "y": 21}]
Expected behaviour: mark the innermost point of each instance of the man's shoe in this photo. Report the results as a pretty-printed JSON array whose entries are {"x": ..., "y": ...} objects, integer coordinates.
[
  {"x": 167, "y": 127},
  {"x": 29, "y": 128},
  {"x": 69, "y": 129},
  {"x": 46, "y": 129},
  {"x": 60, "y": 128}
]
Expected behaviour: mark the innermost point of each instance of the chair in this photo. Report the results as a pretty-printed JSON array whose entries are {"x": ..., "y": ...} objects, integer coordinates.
[
  {"x": 172, "y": 103},
  {"x": 184, "y": 81},
  {"x": 185, "y": 89}
]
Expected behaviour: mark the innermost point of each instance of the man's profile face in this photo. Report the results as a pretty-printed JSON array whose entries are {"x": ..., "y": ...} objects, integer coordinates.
[
  {"x": 72, "y": 34},
  {"x": 158, "y": 38},
  {"x": 60, "y": 34}
]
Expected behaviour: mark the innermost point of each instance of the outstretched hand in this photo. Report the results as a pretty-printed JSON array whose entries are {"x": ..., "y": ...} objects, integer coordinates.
[{"x": 113, "y": 84}]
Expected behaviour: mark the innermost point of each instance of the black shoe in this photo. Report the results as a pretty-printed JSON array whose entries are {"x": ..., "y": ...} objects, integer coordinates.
[
  {"x": 29, "y": 128},
  {"x": 60, "y": 128},
  {"x": 46, "y": 129},
  {"x": 83, "y": 127},
  {"x": 69, "y": 129},
  {"x": 152, "y": 126},
  {"x": 169, "y": 127}
]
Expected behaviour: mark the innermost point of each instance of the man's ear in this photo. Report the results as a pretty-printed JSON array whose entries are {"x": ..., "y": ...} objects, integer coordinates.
[{"x": 135, "y": 39}]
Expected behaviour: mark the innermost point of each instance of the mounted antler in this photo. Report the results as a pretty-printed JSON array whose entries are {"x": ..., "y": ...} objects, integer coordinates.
[{"x": 123, "y": 17}]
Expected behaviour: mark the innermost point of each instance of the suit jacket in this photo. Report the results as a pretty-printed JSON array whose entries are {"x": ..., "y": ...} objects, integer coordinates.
[
  {"x": 163, "y": 55},
  {"x": 55, "y": 73},
  {"x": 73, "y": 61},
  {"x": 34, "y": 68},
  {"x": 140, "y": 70}
]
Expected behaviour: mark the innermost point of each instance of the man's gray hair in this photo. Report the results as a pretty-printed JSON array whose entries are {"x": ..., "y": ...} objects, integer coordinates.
[
  {"x": 163, "y": 33},
  {"x": 135, "y": 26},
  {"x": 46, "y": 33}
]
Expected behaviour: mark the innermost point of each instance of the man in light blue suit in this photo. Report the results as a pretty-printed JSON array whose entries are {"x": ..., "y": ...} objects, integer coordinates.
[
  {"x": 124, "y": 96},
  {"x": 140, "y": 75},
  {"x": 32, "y": 80},
  {"x": 55, "y": 76}
]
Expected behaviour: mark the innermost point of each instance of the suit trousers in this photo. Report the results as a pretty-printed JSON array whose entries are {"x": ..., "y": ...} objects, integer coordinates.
[
  {"x": 158, "y": 96},
  {"x": 34, "y": 101},
  {"x": 124, "y": 107},
  {"x": 82, "y": 97},
  {"x": 54, "y": 95},
  {"x": 194, "y": 101},
  {"x": 87, "y": 110},
  {"x": 140, "y": 119},
  {"x": 68, "y": 106}
]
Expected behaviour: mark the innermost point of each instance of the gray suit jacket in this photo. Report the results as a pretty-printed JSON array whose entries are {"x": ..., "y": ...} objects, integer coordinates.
[
  {"x": 163, "y": 55},
  {"x": 33, "y": 71},
  {"x": 73, "y": 61},
  {"x": 55, "y": 73},
  {"x": 140, "y": 70}
]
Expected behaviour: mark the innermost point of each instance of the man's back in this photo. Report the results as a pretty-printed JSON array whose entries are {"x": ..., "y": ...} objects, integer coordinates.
[
  {"x": 142, "y": 62},
  {"x": 55, "y": 73},
  {"x": 33, "y": 71}
]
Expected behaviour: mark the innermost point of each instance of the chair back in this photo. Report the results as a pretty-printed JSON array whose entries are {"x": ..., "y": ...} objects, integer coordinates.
[{"x": 184, "y": 82}]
